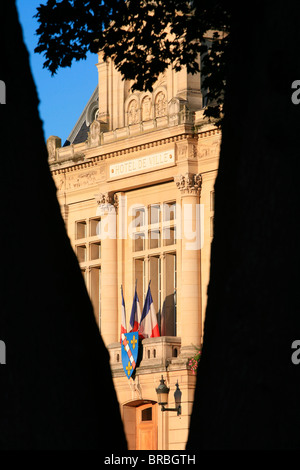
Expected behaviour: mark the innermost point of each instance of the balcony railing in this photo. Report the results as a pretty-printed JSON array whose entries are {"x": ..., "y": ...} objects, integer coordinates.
[{"x": 155, "y": 354}]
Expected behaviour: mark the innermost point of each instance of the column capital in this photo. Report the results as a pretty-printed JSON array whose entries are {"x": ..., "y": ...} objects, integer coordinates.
[
  {"x": 189, "y": 183},
  {"x": 107, "y": 201}
]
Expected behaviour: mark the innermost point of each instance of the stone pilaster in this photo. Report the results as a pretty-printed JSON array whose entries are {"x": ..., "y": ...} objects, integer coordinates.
[
  {"x": 109, "y": 325},
  {"x": 190, "y": 302},
  {"x": 64, "y": 209}
]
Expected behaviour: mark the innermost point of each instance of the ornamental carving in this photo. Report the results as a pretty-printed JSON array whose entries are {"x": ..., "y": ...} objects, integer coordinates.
[
  {"x": 133, "y": 112},
  {"x": 107, "y": 201},
  {"x": 160, "y": 104},
  {"x": 94, "y": 134},
  {"x": 77, "y": 180},
  {"x": 146, "y": 108},
  {"x": 189, "y": 183}
]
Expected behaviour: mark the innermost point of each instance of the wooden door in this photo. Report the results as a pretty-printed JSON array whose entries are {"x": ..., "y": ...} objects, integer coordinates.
[{"x": 146, "y": 427}]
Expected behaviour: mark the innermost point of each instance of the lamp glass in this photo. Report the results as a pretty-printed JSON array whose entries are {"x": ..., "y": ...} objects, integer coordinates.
[
  {"x": 162, "y": 398},
  {"x": 162, "y": 392}
]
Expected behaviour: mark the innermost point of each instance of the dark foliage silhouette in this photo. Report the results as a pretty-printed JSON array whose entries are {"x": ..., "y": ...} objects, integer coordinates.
[{"x": 56, "y": 388}]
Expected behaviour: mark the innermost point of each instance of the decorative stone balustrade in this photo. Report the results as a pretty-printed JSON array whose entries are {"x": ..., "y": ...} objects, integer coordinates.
[{"x": 155, "y": 354}]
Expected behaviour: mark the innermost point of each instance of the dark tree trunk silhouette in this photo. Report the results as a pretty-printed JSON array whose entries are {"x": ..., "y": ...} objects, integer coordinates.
[
  {"x": 248, "y": 389},
  {"x": 56, "y": 390}
]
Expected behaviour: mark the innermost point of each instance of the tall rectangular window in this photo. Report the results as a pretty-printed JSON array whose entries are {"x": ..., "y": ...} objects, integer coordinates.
[
  {"x": 95, "y": 281},
  {"x": 155, "y": 276},
  {"x": 88, "y": 251},
  {"x": 154, "y": 236},
  {"x": 139, "y": 271},
  {"x": 169, "y": 315},
  {"x": 81, "y": 230}
]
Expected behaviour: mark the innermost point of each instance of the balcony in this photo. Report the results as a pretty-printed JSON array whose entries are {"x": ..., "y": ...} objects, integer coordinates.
[{"x": 155, "y": 355}]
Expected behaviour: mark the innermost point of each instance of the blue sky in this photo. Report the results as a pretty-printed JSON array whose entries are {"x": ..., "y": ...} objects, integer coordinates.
[{"x": 63, "y": 96}]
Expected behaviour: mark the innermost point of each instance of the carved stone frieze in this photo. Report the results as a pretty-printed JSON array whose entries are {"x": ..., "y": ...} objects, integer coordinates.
[
  {"x": 76, "y": 180},
  {"x": 209, "y": 150}
]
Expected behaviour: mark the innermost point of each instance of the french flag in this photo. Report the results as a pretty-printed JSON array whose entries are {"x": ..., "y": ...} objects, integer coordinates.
[
  {"x": 135, "y": 316},
  {"x": 123, "y": 320},
  {"x": 148, "y": 325}
]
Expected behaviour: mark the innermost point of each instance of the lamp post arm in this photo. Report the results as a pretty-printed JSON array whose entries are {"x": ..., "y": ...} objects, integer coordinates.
[{"x": 178, "y": 409}]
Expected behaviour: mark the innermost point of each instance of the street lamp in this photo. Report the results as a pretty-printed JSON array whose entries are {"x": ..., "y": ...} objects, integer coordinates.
[{"x": 162, "y": 396}]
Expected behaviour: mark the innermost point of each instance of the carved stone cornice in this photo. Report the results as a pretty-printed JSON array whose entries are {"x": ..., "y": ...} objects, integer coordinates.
[{"x": 189, "y": 183}]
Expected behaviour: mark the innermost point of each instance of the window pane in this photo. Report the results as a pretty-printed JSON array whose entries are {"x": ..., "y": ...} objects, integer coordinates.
[
  {"x": 95, "y": 251},
  {"x": 95, "y": 227},
  {"x": 139, "y": 217},
  {"x": 80, "y": 230},
  {"x": 155, "y": 277},
  {"x": 95, "y": 292},
  {"x": 169, "y": 211},
  {"x": 147, "y": 414},
  {"x": 169, "y": 236},
  {"x": 155, "y": 214},
  {"x": 168, "y": 327},
  {"x": 139, "y": 241},
  {"x": 139, "y": 271},
  {"x": 154, "y": 239},
  {"x": 81, "y": 253}
]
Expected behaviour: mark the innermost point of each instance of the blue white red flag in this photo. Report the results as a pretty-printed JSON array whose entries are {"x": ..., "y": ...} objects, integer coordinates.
[
  {"x": 148, "y": 325},
  {"x": 135, "y": 316},
  {"x": 123, "y": 319}
]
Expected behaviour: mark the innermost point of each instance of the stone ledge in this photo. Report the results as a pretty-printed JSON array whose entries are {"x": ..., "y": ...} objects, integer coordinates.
[{"x": 155, "y": 355}]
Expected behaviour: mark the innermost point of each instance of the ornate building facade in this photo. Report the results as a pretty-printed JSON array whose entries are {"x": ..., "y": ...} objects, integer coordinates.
[{"x": 135, "y": 182}]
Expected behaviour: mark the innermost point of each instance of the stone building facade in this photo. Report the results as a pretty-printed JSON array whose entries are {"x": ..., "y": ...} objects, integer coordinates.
[{"x": 135, "y": 182}]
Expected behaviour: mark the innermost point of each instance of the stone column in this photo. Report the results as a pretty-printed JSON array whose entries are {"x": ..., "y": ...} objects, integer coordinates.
[
  {"x": 190, "y": 302},
  {"x": 109, "y": 327}
]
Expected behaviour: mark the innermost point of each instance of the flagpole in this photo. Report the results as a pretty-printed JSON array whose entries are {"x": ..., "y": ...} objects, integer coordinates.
[{"x": 123, "y": 303}]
